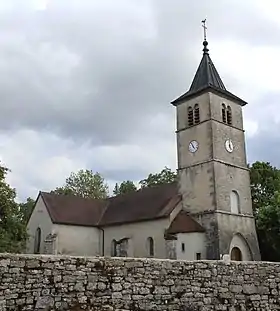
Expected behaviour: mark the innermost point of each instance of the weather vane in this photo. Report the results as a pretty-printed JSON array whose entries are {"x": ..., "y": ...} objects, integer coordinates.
[{"x": 204, "y": 28}]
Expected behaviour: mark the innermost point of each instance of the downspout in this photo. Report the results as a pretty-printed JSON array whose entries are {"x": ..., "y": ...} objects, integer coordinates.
[{"x": 102, "y": 250}]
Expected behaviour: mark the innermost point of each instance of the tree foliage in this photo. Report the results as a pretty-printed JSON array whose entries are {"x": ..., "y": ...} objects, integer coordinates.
[
  {"x": 63, "y": 190},
  {"x": 26, "y": 209},
  {"x": 163, "y": 177},
  {"x": 13, "y": 233},
  {"x": 268, "y": 227},
  {"x": 85, "y": 184},
  {"x": 124, "y": 187},
  {"x": 265, "y": 181},
  {"x": 265, "y": 188}
]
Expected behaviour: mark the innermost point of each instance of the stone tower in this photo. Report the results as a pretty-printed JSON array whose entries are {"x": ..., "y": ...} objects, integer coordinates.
[{"x": 214, "y": 180}]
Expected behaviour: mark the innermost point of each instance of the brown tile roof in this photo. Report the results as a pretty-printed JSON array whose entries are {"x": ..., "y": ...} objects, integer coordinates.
[
  {"x": 73, "y": 210},
  {"x": 184, "y": 223},
  {"x": 145, "y": 204}
]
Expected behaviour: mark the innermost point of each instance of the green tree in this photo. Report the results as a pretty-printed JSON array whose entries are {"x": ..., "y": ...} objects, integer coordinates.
[
  {"x": 265, "y": 181},
  {"x": 13, "y": 233},
  {"x": 26, "y": 208},
  {"x": 268, "y": 228},
  {"x": 63, "y": 190},
  {"x": 124, "y": 187},
  {"x": 85, "y": 184},
  {"x": 265, "y": 188},
  {"x": 163, "y": 177},
  {"x": 116, "y": 190}
]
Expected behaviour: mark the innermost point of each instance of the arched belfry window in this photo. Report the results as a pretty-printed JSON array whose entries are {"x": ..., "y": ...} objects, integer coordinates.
[
  {"x": 190, "y": 116},
  {"x": 229, "y": 115},
  {"x": 196, "y": 114},
  {"x": 234, "y": 202},
  {"x": 151, "y": 246},
  {"x": 224, "y": 117},
  {"x": 37, "y": 241}
]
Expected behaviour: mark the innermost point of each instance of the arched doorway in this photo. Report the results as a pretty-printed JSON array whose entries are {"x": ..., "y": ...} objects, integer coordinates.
[
  {"x": 236, "y": 254},
  {"x": 239, "y": 249}
]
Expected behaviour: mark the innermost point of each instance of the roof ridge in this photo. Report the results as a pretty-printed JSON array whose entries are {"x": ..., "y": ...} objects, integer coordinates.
[
  {"x": 141, "y": 190},
  {"x": 145, "y": 204},
  {"x": 69, "y": 195},
  {"x": 104, "y": 210}
]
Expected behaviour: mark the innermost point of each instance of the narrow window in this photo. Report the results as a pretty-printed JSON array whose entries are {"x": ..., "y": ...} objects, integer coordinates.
[
  {"x": 234, "y": 202},
  {"x": 114, "y": 248},
  {"x": 151, "y": 246},
  {"x": 190, "y": 116},
  {"x": 229, "y": 116},
  {"x": 183, "y": 247},
  {"x": 196, "y": 114},
  {"x": 198, "y": 256},
  {"x": 37, "y": 242},
  {"x": 224, "y": 118},
  {"x": 122, "y": 247}
]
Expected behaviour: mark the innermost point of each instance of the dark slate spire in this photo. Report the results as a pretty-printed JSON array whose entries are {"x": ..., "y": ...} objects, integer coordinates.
[
  {"x": 207, "y": 79},
  {"x": 206, "y": 74}
]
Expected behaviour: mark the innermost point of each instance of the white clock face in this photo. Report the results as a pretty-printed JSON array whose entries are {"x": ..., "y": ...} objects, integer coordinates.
[
  {"x": 229, "y": 145},
  {"x": 193, "y": 146}
]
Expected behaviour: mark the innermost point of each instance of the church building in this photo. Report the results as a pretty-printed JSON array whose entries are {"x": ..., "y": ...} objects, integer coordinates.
[{"x": 205, "y": 215}]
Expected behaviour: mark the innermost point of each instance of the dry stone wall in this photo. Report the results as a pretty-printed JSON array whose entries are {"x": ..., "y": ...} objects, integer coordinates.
[{"x": 76, "y": 283}]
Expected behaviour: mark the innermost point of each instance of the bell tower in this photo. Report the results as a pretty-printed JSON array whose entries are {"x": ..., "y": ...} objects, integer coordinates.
[{"x": 214, "y": 180}]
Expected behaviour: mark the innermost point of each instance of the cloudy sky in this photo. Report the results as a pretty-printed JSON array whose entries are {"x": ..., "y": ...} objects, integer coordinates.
[{"x": 88, "y": 83}]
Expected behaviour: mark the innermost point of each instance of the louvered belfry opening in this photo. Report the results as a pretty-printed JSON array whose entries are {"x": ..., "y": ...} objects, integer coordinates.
[
  {"x": 224, "y": 117},
  {"x": 229, "y": 115},
  {"x": 190, "y": 116},
  {"x": 196, "y": 114}
]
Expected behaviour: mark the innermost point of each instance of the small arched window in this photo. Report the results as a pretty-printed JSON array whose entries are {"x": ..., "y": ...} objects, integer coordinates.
[
  {"x": 151, "y": 247},
  {"x": 114, "y": 248},
  {"x": 37, "y": 241},
  {"x": 196, "y": 114},
  {"x": 229, "y": 116},
  {"x": 234, "y": 202},
  {"x": 190, "y": 116},
  {"x": 224, "y": 117}
]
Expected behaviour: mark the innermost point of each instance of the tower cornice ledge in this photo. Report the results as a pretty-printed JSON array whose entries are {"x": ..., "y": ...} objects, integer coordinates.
[
  {"x": 215, "y": 160},
  {"x": 207, "y": 120},
  {"x": 209, "y": 88},
  {"x": 217, "y": 211}
]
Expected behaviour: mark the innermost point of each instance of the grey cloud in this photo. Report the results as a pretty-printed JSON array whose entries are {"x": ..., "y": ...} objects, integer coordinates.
[
  {"x": 120, "y": 175},
  {"x": 123, "y": 62},
  {"x": 265, "y": 107},
  {"x": 264, "y": 146},
  {"x": 104, "y": 72}
]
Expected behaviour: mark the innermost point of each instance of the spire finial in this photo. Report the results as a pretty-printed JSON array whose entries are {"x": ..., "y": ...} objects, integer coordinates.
[
  {"x": 205, "y": 43},
  {"x": 204, "y": 28}
]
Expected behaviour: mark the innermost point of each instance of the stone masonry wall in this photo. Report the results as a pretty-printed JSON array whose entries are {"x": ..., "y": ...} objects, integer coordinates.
[{"x": 30, "y": 282}]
